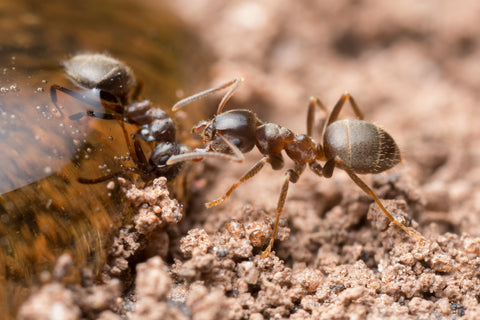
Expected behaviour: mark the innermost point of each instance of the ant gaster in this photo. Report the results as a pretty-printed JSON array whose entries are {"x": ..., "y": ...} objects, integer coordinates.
[
  {"x": 119, "y": 92},
  {"x": 356, "y": 146}
]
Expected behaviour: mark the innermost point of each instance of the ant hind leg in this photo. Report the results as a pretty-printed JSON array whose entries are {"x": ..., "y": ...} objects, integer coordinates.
[
  {"x": 370, "y": 192},
  {"x": 338, "y": 107},
  {"x": 314, "y": 102}
]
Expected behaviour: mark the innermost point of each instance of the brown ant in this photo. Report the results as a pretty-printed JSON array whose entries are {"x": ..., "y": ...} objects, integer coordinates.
[
  {"x": 114, "y": 82},
  {"x": 356, "y": 146}
]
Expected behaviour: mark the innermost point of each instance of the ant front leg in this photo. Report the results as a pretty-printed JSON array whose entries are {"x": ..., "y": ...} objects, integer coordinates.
[
  {"x": 249, "y": 174},
  {"x": 291, "y": 176}
]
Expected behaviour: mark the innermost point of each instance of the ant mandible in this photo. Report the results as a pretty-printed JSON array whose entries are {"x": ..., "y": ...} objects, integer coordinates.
[
  {"x": 114, "y": 82},
  {"x": 354, "y": 145}
]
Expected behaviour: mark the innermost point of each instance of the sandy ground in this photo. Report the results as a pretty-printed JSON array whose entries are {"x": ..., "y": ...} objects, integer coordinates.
[{"x": 413, "y": 69}]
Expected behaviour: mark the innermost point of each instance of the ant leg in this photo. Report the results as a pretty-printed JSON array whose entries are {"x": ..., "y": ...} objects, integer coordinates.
[
  {"x": 328, "y": 167},
  {"x": 107, "y": 177},
  {"x": 290, "y": 176},
  {"x": 53, "y": 94},
  {"x": 338, "y": 107},
  {"x": 370, "y": 192},
  {"x": 316, "y": 168},
  {"x": 314, "y": 102},
  {"x": 136, "y": 151},
  {"x": 249, "y": 174},
  {"x": 133, "y": 153},
  {"x": 139, "y": 157},
  {"x": 232, "y": 85},
  {"x": 94, "y": 114},
  {"x": 92, "y": 102},
  {"x": 200, "y": 155}
]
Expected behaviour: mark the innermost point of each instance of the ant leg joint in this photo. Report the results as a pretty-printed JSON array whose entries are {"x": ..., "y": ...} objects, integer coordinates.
[
  {"x": 293, "y": 176},
  {"x": 316, "y": 168}
]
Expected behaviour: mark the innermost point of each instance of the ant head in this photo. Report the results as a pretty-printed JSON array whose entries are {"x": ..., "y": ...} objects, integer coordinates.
[
  {"x": 99, "y": 71},
  {"x": 162, "y": 152},
  {"x": 160, "y": 155},
  {"x": 238, "y": 126}
]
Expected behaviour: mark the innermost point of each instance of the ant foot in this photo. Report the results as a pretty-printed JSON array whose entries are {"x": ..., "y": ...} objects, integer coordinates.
[
  {"x": 215, "y": 202},
  {"x": 268, "y": 249},
  {"x": 418, "y": 237}
]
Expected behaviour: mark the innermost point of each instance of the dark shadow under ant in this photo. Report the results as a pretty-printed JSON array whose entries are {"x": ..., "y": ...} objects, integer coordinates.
[
  {"x": 119, "y": 92},
  {"x": 354, "y": 145}
]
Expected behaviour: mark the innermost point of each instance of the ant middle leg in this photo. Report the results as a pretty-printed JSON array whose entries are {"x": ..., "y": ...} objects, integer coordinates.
[
  {"x": 316, "y": 168},
  {"x": 292, "y": 175}
]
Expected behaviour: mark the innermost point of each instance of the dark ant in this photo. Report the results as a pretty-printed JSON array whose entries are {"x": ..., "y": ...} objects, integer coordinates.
[
  {"x": 119, "y": 93},
  {"x": 356, "y": 146}
]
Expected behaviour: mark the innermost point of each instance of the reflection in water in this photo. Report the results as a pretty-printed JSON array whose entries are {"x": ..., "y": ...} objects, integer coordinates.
[{"x": 44, "y": 210}]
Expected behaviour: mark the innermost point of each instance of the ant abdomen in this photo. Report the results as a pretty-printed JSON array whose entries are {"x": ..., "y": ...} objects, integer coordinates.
[
  {"x": 101, "y": 72},
  {"x": 361, "y": 145}
]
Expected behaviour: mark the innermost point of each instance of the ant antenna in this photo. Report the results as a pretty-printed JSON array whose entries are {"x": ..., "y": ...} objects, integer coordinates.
[{"x": 232, "y": 85}]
